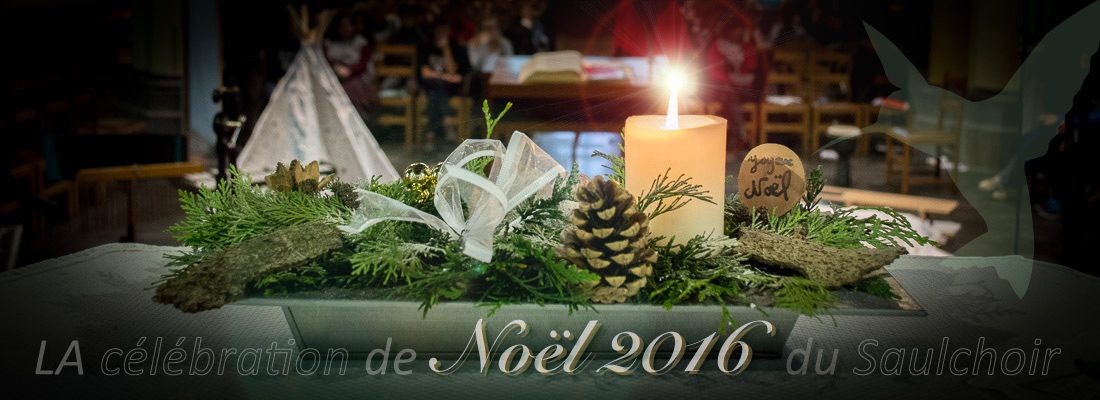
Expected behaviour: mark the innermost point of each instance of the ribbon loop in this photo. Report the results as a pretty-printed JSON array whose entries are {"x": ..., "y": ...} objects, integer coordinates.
[{"x": 471, "y": 206}]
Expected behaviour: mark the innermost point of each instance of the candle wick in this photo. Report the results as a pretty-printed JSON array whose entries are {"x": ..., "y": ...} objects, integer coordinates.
[{"x": 672, "y": 119}]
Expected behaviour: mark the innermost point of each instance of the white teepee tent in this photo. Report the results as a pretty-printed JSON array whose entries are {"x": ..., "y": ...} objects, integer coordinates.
[{"x": 310, "y": 117}]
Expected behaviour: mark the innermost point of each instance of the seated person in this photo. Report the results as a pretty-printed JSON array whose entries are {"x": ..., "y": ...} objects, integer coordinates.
[
  {"x": 350, "y": 56},
  {"x": 488, "y": 46},
  {"x": 528, "y": 35},
  {"x": 443, "y": 64}
]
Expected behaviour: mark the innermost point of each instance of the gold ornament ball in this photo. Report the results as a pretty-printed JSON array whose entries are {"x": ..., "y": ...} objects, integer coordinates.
[{"x": 418, "y": 171}]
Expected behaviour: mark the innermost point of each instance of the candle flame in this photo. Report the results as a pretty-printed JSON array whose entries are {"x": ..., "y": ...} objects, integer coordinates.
[
  {"x": 672, "y": 119},
  {"x": 675, "y": 81}
]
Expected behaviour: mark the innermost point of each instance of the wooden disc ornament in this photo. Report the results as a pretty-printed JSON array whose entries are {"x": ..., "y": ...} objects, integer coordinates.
[{"x": 771, "y": 177}]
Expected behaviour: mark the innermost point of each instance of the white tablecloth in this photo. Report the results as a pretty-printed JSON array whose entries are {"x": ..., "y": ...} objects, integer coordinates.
[{"x": 102, "y": 298}]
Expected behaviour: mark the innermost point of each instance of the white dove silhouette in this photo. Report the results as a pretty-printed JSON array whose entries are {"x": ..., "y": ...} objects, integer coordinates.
[{"x": 993, "y": 133}]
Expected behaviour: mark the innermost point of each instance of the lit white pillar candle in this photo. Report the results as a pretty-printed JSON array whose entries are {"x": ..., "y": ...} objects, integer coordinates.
[{"x": 692, "y": 145}]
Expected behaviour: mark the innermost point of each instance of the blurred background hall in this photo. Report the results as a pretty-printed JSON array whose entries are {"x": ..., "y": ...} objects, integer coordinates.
[{"x": 95, "y": 87}]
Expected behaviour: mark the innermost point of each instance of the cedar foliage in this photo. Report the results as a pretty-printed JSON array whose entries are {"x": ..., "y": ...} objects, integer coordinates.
[
  {"x": 236, "y": 210},
  {"x": 405, "y": 260}
]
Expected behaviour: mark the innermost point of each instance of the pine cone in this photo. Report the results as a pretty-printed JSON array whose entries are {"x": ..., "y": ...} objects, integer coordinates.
[
  {"x": 608, "y": 237},
  {"x": 345, "y": 192},
  {"x": 738, "y": 216}
]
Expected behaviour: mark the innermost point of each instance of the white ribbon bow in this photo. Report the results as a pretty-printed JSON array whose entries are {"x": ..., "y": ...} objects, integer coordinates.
[{"x": 517, "y": 174}]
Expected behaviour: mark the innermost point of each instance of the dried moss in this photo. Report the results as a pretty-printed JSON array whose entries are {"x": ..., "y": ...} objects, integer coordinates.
[
  {"x": 832, "y": 267},
  {"x": 223, "y": 276}
]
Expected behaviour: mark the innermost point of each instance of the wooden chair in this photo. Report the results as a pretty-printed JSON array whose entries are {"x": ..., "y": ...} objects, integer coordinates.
[
  {"x": 797, "y": 45},
  {"x": 750, "y": 120},
  {"x": 830, "y": 79},
  {"x": 785, "y": 76},
  {"x": 870, "y": 115},
  {"x": 33, "y": 174},
  {"x": 792, "y": 119},
  {"x": 827, "y": 114},
  {"x": 750, "y": 113},
  {"x": 942, "y": 138},
  {"x": 459, "y": 118},
  {"x": 54, "y": 189},
  {"x": 788, "y": 62},
  {"x": 131, "y": 174},
  {"x": 25, "y": 183},
  {"x": 398, "y": 107},
  {"x": 830, "y": 75}
]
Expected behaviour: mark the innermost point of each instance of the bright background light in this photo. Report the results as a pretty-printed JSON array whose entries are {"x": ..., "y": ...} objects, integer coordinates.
[{"x": 678, "y": 80}]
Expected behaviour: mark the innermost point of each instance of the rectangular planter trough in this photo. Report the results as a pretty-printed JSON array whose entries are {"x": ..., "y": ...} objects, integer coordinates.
[{"x": 360, "y": 326}]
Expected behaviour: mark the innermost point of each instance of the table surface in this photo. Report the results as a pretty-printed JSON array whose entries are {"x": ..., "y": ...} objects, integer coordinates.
[{"x": 101, "y": 298}]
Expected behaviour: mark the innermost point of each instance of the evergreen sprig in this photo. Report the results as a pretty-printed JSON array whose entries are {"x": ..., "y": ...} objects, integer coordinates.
[
  {"x": 400, "y": 190},
  {"x": 313, "y": 276},
  {"x": 440, "y": 284},
  {"x": 840, "y": 228},
  {"x": 875, "y": 286},
  {"x": 523, "y": 271},
  {"x": 710, "y": 270},
  {"x": 667, "y": 194},
  {"x": 392, "y": 260},
  {"x": 883, "y": 232},
  {"x": 843, "y": 229},
  {"x": 804, "y": 296},
  {"x": 490, "y": 121},
  {"x": 616, "y": 164},
  {"x": 480, "y": 164},
  {"x": 538, "y": 213},
  {"x": 696, "y": 272},
  {"x": 236, "y": 210},
  {"x": 815, "y": 183}
]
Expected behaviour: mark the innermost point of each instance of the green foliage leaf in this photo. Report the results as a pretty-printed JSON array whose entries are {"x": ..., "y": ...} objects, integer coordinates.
[
  {"x": 523, "y": 271},
  {"x": 391, "y": 261},
  {"x": 309, "y": 277},
  {"x": 803, "y": 296},
  {"x": 490, "y": 121},
  {"x": 616, "y": 164},
  {"x": 842, "y": 228},
  {"x": 666, "y": 194},
  {"x": 875, "y": 286},
  {"x": 236, "y": 210},
  {"x": 702, "y": 270},
  {"x": 536, "y": 215},
  {"x": 399, "y": 190},
  {"x": 815, "y": 183}
]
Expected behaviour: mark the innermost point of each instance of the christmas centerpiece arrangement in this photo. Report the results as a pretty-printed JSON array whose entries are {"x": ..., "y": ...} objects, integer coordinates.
[{"x": 502, "y": 224}]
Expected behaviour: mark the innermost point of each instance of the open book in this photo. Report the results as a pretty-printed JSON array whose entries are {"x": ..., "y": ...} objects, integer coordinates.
[
  {"x": 568, "y": 66},
  {"x": 553, "y": 67}
]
